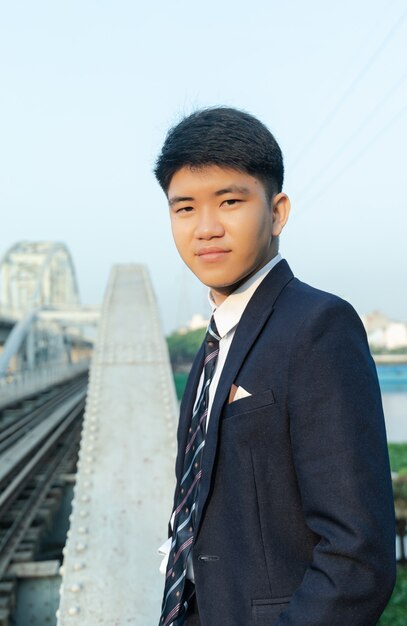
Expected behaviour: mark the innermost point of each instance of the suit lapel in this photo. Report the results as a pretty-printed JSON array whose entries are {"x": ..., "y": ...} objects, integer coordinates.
[{"x": 256, "y": 314}]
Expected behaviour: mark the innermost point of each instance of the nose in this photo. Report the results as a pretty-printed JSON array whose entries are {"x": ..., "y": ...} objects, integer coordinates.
[{"x": 208, "y": 225}]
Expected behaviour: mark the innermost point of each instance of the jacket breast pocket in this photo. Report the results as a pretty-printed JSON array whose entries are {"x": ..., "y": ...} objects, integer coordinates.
[
  {"x": 248, "y": 404},
  {"x": 266, "y": 612}
]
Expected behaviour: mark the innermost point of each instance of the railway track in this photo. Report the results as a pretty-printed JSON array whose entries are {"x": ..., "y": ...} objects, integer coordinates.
[{"x": 39, "y": 442}]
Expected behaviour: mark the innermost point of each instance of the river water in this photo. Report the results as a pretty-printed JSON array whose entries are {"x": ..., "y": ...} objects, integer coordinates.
[{"x": 393, "y": 383}]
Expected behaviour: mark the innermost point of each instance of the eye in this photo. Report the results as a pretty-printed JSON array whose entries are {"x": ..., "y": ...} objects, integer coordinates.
[
  {"x": 231, "y": 201},
  {"x": 184, "y": 209}
]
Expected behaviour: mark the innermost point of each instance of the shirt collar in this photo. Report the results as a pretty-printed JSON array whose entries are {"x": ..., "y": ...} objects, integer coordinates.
[{"x": 228, "y": 314}]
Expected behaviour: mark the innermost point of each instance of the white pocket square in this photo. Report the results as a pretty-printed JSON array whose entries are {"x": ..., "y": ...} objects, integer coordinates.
[{"x": 241, "y": 393}]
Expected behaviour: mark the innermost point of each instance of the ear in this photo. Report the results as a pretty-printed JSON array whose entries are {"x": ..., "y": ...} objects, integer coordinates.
[{"x": 281, "y": 210}]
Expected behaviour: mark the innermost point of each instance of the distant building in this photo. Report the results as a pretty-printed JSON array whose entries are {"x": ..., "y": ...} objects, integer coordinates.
[
  {"x": 384, "y": 333},
  {"x": 196, "y": 321}
]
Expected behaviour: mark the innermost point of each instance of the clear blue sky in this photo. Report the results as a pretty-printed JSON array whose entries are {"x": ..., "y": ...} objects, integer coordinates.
[{"x": 89, "y": 88}]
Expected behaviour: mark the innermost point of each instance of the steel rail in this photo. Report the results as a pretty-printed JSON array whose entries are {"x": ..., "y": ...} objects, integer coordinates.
[
  {"x": 45, "y": 478},
  {"x": 31, "y": 416},
  {"x": 20, "y": 451},
  {"x": 16, "y": 484}
]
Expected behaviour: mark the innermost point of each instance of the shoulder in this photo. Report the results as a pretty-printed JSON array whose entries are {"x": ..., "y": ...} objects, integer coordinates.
[
  {"x": 310, "y": 302},
  {"x": 312, "y": 297}
]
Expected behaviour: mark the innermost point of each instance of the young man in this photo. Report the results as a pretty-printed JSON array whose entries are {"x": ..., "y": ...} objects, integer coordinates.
[{"x": 283, "y": 509}]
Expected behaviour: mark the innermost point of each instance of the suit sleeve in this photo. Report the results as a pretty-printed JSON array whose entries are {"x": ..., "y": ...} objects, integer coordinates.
[{"x": 341, "y": 461}]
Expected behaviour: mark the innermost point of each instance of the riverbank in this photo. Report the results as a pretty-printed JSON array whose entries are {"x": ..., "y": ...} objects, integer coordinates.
[{"x": 389, "y": 359}]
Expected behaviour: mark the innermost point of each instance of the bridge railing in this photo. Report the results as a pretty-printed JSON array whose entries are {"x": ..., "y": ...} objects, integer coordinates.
[
  {"x": 14, "y": 315},
  {"x": 18, "y": 385}
]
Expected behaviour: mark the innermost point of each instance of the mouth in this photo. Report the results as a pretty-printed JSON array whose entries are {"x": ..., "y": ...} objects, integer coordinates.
[{"x": 211, "y": 254}]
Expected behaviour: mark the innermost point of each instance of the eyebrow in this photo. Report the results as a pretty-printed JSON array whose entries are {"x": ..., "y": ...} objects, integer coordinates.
[
  {"x": 176, "y": 199},
  {"x": 233, "y": 189},
  {"x": 219, "y": 192}
]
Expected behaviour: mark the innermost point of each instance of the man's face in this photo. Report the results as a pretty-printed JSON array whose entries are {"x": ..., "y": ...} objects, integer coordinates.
[{"x": 223, "y": 225}]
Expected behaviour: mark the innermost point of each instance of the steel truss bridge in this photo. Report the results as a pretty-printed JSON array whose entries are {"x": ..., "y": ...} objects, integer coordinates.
[{"x": 42, "y": 325}]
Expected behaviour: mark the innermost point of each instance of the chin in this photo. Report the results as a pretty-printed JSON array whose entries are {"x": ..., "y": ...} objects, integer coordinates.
[{"x": 222, "y": 284}]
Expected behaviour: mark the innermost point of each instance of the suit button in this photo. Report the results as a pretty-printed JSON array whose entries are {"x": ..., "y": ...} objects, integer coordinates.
[{"x": 208, "y": 557}]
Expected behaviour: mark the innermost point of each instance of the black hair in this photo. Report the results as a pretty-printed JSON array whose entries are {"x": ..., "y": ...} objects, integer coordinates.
[{"x": 225, "y": 137}]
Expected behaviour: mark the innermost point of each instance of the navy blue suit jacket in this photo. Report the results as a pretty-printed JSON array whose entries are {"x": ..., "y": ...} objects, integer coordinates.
[{"x": 295, "y": 522}]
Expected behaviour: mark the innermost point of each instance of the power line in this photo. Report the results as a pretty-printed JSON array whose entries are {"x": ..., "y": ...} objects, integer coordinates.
[
  {"x": 366, "y": 120},
  {"x": 356, "y": 158},
  {"x": 328, "y": 119}
]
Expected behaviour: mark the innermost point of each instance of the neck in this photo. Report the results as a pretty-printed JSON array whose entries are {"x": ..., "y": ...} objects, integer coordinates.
[{"x": 219, "y": 294}]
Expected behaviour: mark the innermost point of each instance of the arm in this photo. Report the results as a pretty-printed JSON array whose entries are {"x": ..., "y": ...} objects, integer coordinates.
[{"x": 341, "y": 461}]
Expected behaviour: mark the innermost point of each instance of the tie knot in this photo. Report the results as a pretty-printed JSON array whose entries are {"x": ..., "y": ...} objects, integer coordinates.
[
  {"x": 212, "y": 339},
  {"x": 212, "y": 334}
]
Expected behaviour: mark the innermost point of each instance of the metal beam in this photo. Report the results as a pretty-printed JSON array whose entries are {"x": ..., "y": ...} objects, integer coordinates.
[
  {"x": 125, "y": 474},
  {"x": 81, "y": 317},
  {"x": 15, "y": 340}
]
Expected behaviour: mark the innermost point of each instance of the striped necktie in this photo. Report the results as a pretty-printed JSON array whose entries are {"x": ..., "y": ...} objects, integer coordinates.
[{"x": 175, "y": 603}]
